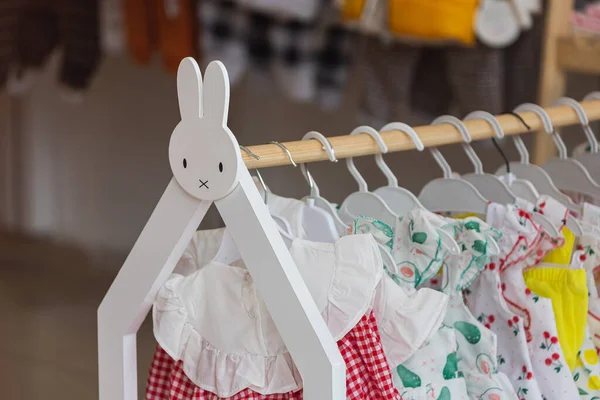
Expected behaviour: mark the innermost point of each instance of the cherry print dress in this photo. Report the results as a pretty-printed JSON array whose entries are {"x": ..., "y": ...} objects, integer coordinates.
[
  {"x": 549, "y": 366},
  {"x": 485, "y": 300},
  {"x": 217, "y": 340},
  {"x": 432, "y": 372},
  {"x": 477, "y": 345},
  {"x": 587, "y": 368},
  {"x": 590, "y": 244}
]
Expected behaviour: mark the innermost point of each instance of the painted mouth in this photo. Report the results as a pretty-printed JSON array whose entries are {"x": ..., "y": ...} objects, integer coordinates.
[{"x": 203, "y": 184}]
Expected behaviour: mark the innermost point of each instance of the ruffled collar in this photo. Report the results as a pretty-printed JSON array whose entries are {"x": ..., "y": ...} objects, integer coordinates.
[
  {"x": 214, "y": 320},
  {"x": 520, "y": 234},
  {"x": 474, "y": 237},
  {"x": 414, "y": 242}
]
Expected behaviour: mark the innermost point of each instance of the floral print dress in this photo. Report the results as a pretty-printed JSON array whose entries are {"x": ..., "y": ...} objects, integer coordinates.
[
  {"x": 477, "y": 344},
  {"x": 587, "y": 368},
  {"x": 432, "y": 373},
  {"x": 547, "y": 358},
  {"x": 484, "y": 298}
]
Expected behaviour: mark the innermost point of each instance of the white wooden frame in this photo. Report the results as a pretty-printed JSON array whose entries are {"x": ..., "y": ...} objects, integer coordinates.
[{"x": 204, "y": 137}]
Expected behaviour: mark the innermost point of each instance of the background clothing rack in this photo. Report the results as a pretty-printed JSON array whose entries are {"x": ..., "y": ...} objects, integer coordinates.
[{"x": 361, "y": 145}]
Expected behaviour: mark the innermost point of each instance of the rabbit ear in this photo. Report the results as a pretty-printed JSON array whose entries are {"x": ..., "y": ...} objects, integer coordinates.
[
  {"x": 189, "y": 89},
  {"x": 216, "y": 92}
]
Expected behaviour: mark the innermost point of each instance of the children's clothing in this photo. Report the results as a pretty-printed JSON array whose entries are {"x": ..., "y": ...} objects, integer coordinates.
[
  {"x": 484, "y": 297},
  {"x": 547, "y": 357}
]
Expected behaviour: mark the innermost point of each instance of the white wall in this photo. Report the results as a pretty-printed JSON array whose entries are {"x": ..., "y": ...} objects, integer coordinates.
[{"x": 92, "y": 172}]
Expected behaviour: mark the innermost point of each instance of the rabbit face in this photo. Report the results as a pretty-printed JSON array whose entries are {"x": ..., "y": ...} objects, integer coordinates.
[{"x": 203, "y": 153}]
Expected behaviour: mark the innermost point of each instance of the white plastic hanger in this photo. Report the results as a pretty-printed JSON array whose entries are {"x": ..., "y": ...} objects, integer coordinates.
[
  {"x": 317, "y": 223},
  {"x": 207, "y": 166},
  {"x": 490, "y": 186},
  {"x": 449, "y": 193},
  {"x": 447, "y": 240},
  {"x": 531, "y": 172},
  {"x": 567, "y": 173},
  {"x": 400, "y": 200},
  {"x": 364, "y": 202},
  {"x": 315, "y": 194},
  {"x": 591, "y": 159}
]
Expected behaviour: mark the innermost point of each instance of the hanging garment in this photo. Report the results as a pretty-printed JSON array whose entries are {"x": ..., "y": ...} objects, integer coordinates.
[
  {"x": 566, "y": 287},
  {"x": 176, "y": 25},
  {"x": 586, "y": 373},
  {"x": 346, "y": 298},
  {"x": 432, "y": 373},
  {"x": 141, "y": 29},
  {"x": 392, "y": 91},
  {"x": 450, "y": 20},
  {"x": 477, "y": 345},
  {"x": 359, "y": 348},
  {"x": 485, "y": 300},
  {"x": 587, "y": 370},
  {"x": 415, "y": 244},
  {"x": 590, "y": 245},
  {"x": 547, "y": 357},
  {"x": 44, "y": 26},
  {"x": 307, "y": 61}
]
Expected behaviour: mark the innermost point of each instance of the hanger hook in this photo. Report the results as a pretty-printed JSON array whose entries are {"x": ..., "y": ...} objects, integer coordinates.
[
  {"x": 518, "y": 141},
  {"x": 462, "y": 129},
  {"x": 258, "y": 175},
  {"x": 362, "y": 184},
  {"x": 583, "y": 119},
  {"x": 287, "y": 151},
  {"x": 496, "y": 127},
  {"x": 547, "y": 124},
  {"x": 308, "y": 176},
  {"x": 314, "y": 189},
  {"x": 412, "y": 134}
]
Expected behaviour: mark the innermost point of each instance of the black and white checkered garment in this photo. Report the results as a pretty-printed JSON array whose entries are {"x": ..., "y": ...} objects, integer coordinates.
[{"x": 307, "y": 60}]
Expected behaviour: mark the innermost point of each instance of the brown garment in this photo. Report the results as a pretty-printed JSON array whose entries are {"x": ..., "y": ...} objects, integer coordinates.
[
  {"x": 176, "y": 31},
  {"x": 168, "y": 26},
  {"x": 140, "y": 27},
  {"x": 45, "y": 25}
]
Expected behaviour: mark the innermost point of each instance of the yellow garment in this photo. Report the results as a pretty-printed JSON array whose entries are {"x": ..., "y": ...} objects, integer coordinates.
[
  {"x": 434, "y": 19},
  {"x": 562, "y": 255},
  {"x": 567, "y": 288}
]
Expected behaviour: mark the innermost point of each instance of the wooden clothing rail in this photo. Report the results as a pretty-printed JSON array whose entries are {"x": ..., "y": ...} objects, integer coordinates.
[{"x": 306, "y": 151}]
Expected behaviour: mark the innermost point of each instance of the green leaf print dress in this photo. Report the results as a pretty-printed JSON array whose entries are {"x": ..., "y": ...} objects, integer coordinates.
[
  {"x": 477, "y": 345},
  {"x": 432, "y": 372}
]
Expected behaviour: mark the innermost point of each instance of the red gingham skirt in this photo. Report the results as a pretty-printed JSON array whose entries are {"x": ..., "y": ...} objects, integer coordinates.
[{"x": 368, "y": 376}]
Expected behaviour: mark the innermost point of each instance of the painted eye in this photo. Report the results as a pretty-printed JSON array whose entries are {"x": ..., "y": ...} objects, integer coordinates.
[
  {"x": 220, "y": 167},
  {"x": 184, "y": 163}
]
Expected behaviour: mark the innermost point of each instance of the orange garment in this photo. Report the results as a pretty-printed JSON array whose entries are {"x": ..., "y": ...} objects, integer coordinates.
[
  {"x": 176, "y": 31},
  {"x": 140, "y": 28},
  {"x": 434, "y": 19}
]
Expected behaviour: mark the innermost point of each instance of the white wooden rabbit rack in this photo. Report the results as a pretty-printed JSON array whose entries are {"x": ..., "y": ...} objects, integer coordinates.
[{"x": 208, "y": 167}]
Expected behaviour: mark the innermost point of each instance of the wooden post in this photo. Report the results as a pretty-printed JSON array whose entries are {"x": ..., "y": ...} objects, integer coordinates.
[{"x": 552, "y": 77}]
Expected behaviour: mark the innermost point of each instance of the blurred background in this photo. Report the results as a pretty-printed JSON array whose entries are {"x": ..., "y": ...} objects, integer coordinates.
[{"x": 88, "y": 102}]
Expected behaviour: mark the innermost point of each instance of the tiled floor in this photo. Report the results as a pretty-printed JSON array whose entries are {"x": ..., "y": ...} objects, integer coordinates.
[{"x": 48, "y": 300}]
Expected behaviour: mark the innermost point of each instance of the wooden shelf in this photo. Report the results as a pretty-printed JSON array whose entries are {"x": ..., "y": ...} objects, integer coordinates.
[{"x": 579, "y": 54}]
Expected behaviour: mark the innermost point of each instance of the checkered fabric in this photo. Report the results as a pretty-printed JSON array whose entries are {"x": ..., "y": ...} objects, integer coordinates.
[
  {"x": 308, "y": 60},
  {"x": 368, "y": 376}
]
